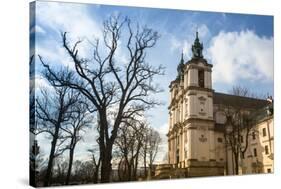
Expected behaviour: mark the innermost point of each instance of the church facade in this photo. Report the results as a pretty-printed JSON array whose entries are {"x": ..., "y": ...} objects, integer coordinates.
[{"x": 198, "y": 141}]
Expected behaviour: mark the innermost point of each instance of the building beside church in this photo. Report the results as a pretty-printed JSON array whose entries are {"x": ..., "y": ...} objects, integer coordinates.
[{"x": 202, "y": 137}]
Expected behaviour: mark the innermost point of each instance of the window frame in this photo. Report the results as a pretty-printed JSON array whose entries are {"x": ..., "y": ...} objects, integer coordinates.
[
  {"x": 266, "y": 149},
  {"x": 255, "y": 152},
  {"x": 220, "y": 140},
  {"x": 264, "y": 132},
  {"x": 201, "y": 78}
]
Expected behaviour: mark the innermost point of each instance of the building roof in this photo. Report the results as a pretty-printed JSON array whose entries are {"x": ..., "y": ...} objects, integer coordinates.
[{"x": 234, "y": 101}]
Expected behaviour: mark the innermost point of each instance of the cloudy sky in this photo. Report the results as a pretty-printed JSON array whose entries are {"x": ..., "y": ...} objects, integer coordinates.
[{"x": 239, "y": 46}]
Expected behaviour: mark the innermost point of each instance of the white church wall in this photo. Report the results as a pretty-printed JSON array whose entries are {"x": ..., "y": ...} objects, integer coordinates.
[
  {"x": 192, "y": 77},
  {"x": 219, "y": 149},
  {"x": 201, "y": 106},
  {"x": 202, "y": 141},
  {"x": 212, "y": 145},
  {"x": 189, "y": 142},
  {"x": 192, "y": 105},
  {"x": 185, "y": 79}
]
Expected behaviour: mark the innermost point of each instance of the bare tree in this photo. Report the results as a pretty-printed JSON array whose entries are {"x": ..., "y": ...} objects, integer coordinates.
[
  {"x": 35, "y": 163},
  {"x": 31, "y": 94},
  {"x": 129, "y": 143},
  {"x": 96, "y": 160},
  {"x": 59, "y": 170},
  {"x": 53, "y": 110},
  {"x": 108, "y": 83},
  {"x": 245, "y": 92},
  {"x": 79, "y": 120},
  {"x": 33, "y": 152},
  {"x": 83, "y": 172},
  {"x": 138, "y": 146},
  {"x": 153, "y": 142},
  {"x": 239, "y": 125},
  {"x": 144, "y": 151}
]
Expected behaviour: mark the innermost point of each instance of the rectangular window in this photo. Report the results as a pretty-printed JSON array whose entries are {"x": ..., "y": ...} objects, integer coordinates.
[
  {"x": 254, "y": 135},
  {"x": 269, "y": 170},
  {"x": 264, "y": 132},
  {"x": 201, "y": 78},
  {"x": 220, "y": 140},
  {"x": 255, "y": 152},
  {"x": 266, "y": 149}
]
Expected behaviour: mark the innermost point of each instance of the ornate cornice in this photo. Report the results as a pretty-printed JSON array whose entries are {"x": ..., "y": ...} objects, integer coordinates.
[
  {"x": 191, "y": 90},
  {"x": 196, "y": 66},
  {"x": 191, "y": 120},
  {"x": 198, "y": 60},
  {"x": 198, "y": 89}
]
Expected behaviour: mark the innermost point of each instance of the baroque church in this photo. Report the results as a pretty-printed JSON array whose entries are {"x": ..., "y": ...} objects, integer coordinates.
[{"x": 198, "y": 144}]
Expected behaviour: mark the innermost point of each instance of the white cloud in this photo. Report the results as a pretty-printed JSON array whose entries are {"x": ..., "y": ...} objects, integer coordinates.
[
  {"x": 90, "y": 136},
  {"x": 79, "y": 22},
  {"x": 73, "y": 18},
  {"x": 181, "y": 46},
  {"x": 163, "y": 129},
  {"x": 241, "y": 55},
  {"x": 184, "y": 45},
  {"x": 44, "y": 143},
  {"x": 40, "y": 82},
  {"x": 64, "y": 17},
  {"x": 163, "y": 147},
  {"x": 53, "y": 53},
  {"x": 202, "y": 29}
]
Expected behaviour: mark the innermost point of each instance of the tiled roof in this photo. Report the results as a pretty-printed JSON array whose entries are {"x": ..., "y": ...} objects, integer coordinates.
[
  {"x": 258, "y": 106},
  {"x": 235, "y": 101}
]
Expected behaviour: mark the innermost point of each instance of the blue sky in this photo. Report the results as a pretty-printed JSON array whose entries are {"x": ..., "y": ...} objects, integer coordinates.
[{"x": 239, "y": 46}]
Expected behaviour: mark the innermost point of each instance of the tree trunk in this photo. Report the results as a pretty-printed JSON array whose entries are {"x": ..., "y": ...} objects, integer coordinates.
[
  {"x": 106, "y": 164},
  {"x": 129, "y": 178},
  {"x": 236, "y": 160},
  {"x": 136, "y": 167},
  {"x": 106, "y": 145},
  {"x": 150, "y": 170},
  {"x": 131, "y": 169},
  {"x": 71, "y": 152},
  {"x": 119, "y": 170},
  {"x": 96, "y": 175},
  {"x": 47, "y": 179},
  {"x": 136, "y": 161},
  {"x": 144, "y": 162}
]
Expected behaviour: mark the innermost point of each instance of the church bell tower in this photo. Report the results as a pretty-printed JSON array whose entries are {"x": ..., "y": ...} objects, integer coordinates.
[{"x": 191, "y": 123}]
